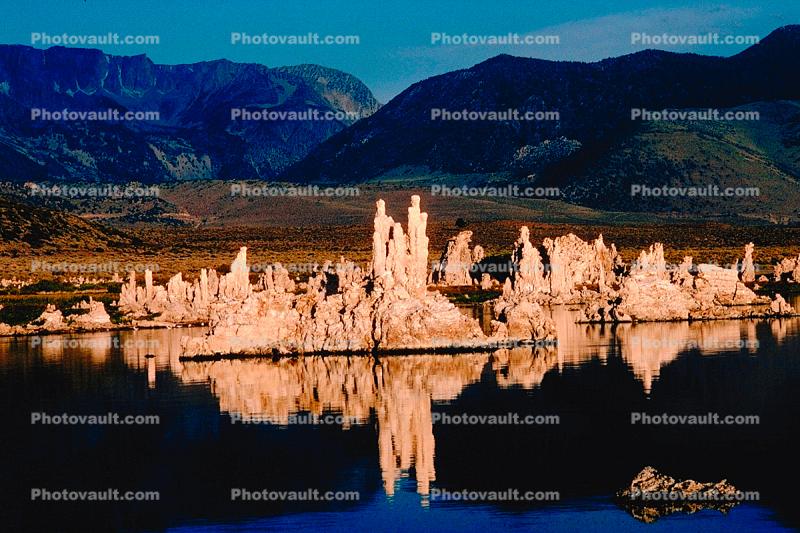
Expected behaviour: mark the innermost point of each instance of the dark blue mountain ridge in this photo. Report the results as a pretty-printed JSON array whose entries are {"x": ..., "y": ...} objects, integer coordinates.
[
  {"x": 594, "y": 102},
  {"x": 194, "y": 137}
]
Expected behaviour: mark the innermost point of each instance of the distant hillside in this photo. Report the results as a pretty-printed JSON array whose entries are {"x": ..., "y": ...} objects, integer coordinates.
[
  {"x": 24, "y": 227},
  {"x": 581, "y": 151},
  {"x": 194, "y": 136},
  {"x": 763, "y": 155}
]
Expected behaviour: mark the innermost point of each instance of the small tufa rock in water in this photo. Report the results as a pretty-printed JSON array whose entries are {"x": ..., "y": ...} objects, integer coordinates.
[{"x": 653, "y": 495}]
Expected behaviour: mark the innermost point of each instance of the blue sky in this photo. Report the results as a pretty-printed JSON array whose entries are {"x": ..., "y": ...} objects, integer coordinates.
[{"x": 394, "y": 47}]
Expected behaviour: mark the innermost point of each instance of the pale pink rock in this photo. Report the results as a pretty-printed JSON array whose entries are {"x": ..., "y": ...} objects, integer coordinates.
[
  {"x": 235, "y": 285},
  {"x": 779, "y": 306},
  {"x": 525, "y": 320},
  {"x": 527, "y": 269},
  {"x": 684, "y": 274},
  {"x": 575, "y": 264},
  {"x": 652, "y": 293},
  {"x": 518, "y": 310},
  {"x": 748, "y": 271},
  {"x": 796, "y": 270},
  {"x": 455, "y": 265},
  {"x": 96, "y": 315},
  {"x": 651, "y": 263},
  {"x": 788, "y": 265},
  {"x": 51, "y": 319},
  {"x": 14, "y": 283},
  {"x": 478, "y": 254},
  {"x": 345, "y": 309}
]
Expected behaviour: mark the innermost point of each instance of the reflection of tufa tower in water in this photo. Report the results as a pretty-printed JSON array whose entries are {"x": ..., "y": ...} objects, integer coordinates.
[
  {"x": 405, "y": 430},
  {"x": 399, "y": 390}
]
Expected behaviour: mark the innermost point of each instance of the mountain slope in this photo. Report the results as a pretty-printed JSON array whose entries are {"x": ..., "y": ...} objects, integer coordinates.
[
  {"x": 194, "y": 136},
  {"x": 763, "y": 155},
  {"x": 594, "y": 101},
  {"x": 24, "y": 227}
]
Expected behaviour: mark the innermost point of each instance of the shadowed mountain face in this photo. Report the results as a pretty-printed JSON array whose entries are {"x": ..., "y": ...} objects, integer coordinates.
[
  {"x": 594, "y": 103},
  {"x": 194, "y": 136}
]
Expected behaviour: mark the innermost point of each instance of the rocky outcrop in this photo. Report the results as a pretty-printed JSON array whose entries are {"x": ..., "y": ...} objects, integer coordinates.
[
  {"x": 184, "y": 302},
  {"x": 527, "y": 270},
  {"x": 518, "y": 309},
  {"x": 571, "y": 271},
  {"x": 747, "y": 269},
  {"x": 345, "y": 309},
  {"x": 652, "y": 495},
  {"x": 781, "y": 307},
  {"x": 457, "y": 262},
  {"x": 576, "y": 265},
  {"x": 787, "y": 270},
  {"x": 650, "y": 292},
  {"x": 95, "y": 314},
  {"x": 52, "y": 320},
  {"x": 14, "y": 283},
  {"x": 177, "y": 302}
]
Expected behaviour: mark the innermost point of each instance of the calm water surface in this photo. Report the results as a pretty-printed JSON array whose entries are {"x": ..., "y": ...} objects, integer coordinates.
[{"x": 388, "y": 443}]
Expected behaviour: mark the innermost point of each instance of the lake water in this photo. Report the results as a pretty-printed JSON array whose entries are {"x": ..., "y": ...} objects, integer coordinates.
[{"x": 392, "y": 432}]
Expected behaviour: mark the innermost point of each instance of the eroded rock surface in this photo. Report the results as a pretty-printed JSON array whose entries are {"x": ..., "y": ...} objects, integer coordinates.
[
  {"x": 52, "y": 320},
  {"x": 95, "y": 315},
  {"x": 577, "y": 266},
  {"x": 653, "y": 495},
  {"x": 787, "y": 270},
  {"x": 457, "y": 262},
  {"x": 651, "y": 292},
  {"x": 748, "y": 270},
  {"x": 572, "y": 271},
  {"x": 345, "y": 309}
]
